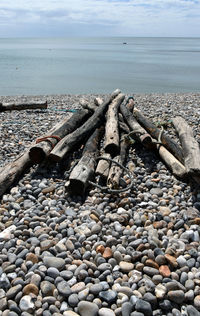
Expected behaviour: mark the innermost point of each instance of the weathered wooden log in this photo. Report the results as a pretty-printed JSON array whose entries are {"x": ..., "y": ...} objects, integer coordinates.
[
  {"x": 115, "y": 172},
  {"x": 44, "y": 145},
  {"x": 69, "y": 141},
  {"x": 86, "y": 105},
  {"x": 176, "y": 167},
  {"x": 10, "y": 173},
  {"x": 111, "y": 144},
  {"x": 23, "y": 106},
  {"x": 190, "y": 146},
  {"x": 137, "y": 131},
  {"x": 167, "y": 141},
  {"x": 103, "y": 167},
  {"x": 84, "y": 170}
]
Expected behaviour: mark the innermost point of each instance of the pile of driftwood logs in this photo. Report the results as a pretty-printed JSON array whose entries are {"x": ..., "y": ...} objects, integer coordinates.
[{"x": 116, "y": 122}]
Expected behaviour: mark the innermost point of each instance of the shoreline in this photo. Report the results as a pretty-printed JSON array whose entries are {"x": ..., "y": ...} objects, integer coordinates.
[{"x": 135, "y": 253}]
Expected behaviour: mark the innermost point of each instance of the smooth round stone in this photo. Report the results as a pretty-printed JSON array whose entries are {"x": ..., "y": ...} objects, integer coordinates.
[
  {"x": 197, "y": 302},
  {"x": 176, "y": 312},
  {"x": 189, "y": 296},
  {"x": 47, "y": 288},
  {"x": 30, "y": 288},
  {"x": 104, "y": 266},
  {"x": 64, "y": 289},
  {"x": 176, "y": 296},
  {"x": 150, "y": 271},
  {"x": 192, "y": 311},
  {"x": 106, "y": 312},
  {"x": 55, "y": 262},
  {"x": 96, "y": 288},
  {"x": 126, "y": 308},
  {"x": 181, "y": 261},
  {"x": 86, "y": 308},
  {"x": 126, "y": 267},
  {"x": 53, "y": 272},
  {"x": 82, "y": 295},
  {"x": 78, "y": 287},
  {"x": 12, "y": 292},
  {"x": 73, "y": 300},
  {"x": 189, "y": 284},
  {"x": 143, "y": 307},
  {"x": 108, "y": 296},
  {"x": 135, "y": 313},
  {"x": 183, "y": 278}
]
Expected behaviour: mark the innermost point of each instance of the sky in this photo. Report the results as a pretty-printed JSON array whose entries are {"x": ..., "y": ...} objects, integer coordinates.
[{"x": 66, "y": 18}]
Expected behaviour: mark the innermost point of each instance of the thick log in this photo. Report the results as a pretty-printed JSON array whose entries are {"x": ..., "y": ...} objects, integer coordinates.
[
  {"x": 84, "y": 170},
  {"x": 111, "y": 144},
  {"x": 176, "y": 167},
  {"x": 69, "y": 141},
  {"x": 137, "y": 131},
  {"x": 41, "y": 150},
  {"x": 167, "y": 141},
  {"x": 23, "y": 106},
  {"x": 115, "y": 172},
  {"x": 191, "y": 150},
  {"x": 103, "y": 167},
  {"x": 10, "y": 173}
]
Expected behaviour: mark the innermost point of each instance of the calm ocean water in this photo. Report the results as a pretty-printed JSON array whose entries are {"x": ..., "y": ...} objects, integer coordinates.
[{"x": 99, "y": 65}]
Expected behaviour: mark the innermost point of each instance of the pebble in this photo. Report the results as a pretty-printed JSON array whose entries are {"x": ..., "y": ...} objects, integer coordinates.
[
  {"x": 106, "y": 312},
  {"x": 86, "y": 308}
]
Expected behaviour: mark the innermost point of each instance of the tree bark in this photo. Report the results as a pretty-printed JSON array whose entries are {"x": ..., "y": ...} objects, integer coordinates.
[
  {"x": 12, "y": 171},
  {"x": 138, "y": 132},
  {"x": 191, "y": 150},
  {"x": 41, "y": 150},
  {"x": 23, "y": 106},
  {"x": 84, "y": 170},
  {"x": 111, "y": 144},
  {"x": 69, "y": 141},
  {"x": 168, "y": 142}
]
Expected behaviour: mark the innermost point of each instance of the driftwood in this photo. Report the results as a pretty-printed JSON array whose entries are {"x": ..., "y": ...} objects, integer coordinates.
[
  {"x": 111, "y": 144},
  {"x": 86, "y": 105},
  {"x": 115, "y": 172},
  {"x": 84, "y": 170},
  {"x": 167, "y": 141},
  {"x": 41, "y": 150},
  {"x": 190, "y": 146},
  {"x": 23, "y": 106},
  {"x": 177, "y": 168},
  {"x": 12, "y": 171},
  {"x": 69, "y": 141},
  {"x": 103, "y": 167},
  {"x": 137, "y": 131}
]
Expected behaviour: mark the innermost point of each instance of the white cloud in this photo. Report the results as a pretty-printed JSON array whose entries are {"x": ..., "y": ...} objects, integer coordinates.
[{"x": 151, "y": 17}]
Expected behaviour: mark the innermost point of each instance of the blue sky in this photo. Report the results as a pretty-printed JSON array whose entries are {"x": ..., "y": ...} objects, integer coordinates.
[{"x": 99, "y": 18}]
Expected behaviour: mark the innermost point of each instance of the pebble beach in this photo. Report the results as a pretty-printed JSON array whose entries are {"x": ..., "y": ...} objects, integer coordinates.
[{"x": 134, "y": 253}]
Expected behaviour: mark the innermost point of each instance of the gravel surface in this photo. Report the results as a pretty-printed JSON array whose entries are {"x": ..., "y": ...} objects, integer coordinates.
[{"x": 136, "y": 253}]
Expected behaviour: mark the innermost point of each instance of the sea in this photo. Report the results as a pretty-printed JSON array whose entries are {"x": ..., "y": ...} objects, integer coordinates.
[{"x": 44, "y": 66}]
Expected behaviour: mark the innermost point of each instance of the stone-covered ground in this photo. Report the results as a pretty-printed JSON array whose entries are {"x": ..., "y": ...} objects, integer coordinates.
[{"x": 136, "y": 253}]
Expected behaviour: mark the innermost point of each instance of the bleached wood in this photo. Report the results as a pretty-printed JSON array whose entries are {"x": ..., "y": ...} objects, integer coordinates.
[{"x": 190, "y": 146}]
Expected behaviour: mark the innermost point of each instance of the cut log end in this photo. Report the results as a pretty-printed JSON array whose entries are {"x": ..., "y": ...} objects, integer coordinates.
[
  {"x": 112, "y": 149},
  {"x": 76, "y": 187},
  {"x": 37, "y": 155}
]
